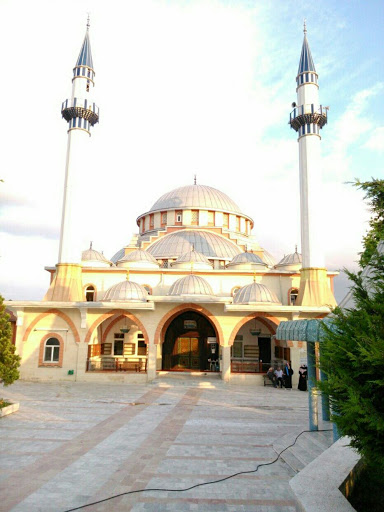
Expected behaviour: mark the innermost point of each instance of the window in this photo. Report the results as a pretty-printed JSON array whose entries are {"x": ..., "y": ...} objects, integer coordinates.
[
  {"x": 151, "y": 221},
  {"x": 237, "y": 349},
  {"x": 238, "y": 224},
  {"x": 90, "y": 293},
  {"x": 118, "y": 344},
  {"x": 195, "y": 218},
  {"x": 294, "y": 292},
  {"x": 52, "y": 350},
  {"x": 163, "y": 219},
  {"x": 179, "y": 217},
  {"x": 211, "y": 218},
  {"x": 141, "y": 345},
  {"x": 87, "y": 86},
  {"x": 226, "y": 220}
]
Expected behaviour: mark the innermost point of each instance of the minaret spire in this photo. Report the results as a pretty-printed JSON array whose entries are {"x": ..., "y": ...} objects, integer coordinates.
[
  {"x": 307, "y": 119},
  {"x": 82, "y": 114}
]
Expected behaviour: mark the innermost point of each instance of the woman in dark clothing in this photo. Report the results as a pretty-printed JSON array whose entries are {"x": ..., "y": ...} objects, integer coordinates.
[
  {"x": 303, "y": 372},
  {"x": 288, "y": 372}
]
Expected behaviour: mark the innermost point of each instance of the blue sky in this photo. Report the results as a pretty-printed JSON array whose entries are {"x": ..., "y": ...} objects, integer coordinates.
[{"x": 184, "y": 88}]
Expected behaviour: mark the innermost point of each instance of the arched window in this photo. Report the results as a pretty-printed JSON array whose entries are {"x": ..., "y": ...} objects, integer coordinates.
[
  {"x": 52, "y": 350},
  {"x": 293, "y": 293},
  {"x": 90, "y": 293}
]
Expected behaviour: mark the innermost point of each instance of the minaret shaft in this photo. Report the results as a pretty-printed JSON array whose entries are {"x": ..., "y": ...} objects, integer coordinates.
[
  {"x": 307, "y": 119},
  {"x": 81, "y": 113}
]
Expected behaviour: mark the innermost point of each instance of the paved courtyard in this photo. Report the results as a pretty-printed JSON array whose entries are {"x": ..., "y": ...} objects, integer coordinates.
[{"x": 73, "y": 444}]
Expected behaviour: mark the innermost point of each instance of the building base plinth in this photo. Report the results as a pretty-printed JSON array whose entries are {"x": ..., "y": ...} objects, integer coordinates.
[
  {"x": 66, "y": 285},
  {"x": 314, "y": 288}
]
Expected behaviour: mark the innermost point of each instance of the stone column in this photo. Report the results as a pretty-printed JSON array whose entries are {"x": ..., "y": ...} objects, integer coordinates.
[
  {"x": 151, "y": 363},
  {"x": 226, "y": 363},
  {"x": 312, "y": 390}
]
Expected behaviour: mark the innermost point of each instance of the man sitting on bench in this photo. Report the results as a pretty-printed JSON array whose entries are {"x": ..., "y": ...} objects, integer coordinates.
[
  {"x": 279, "y": 376},
  {"x": 271, "y": 376}
]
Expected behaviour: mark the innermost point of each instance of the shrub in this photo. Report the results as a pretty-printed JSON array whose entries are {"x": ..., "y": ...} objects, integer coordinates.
[
  {"x": 352, "y": 357},
  {"x": 9, "y": 361}
]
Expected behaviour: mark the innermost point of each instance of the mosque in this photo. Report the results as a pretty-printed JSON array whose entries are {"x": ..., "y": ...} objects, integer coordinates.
[{"x": 192, "y": 291}]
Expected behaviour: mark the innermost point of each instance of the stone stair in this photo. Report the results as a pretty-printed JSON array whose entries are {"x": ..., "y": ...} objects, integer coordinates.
[
  {"x": 307, "y": 447},
  {"x": 189, "y": 379}
]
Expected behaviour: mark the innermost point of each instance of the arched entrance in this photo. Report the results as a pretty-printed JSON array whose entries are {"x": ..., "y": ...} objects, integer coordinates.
[{"x": 190, "y": 344}]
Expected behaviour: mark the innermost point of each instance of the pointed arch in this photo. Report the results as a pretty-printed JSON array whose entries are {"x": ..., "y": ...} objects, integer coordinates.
[
  {"x": 269, "y": 321},
  {"x": 52, "y": 312},
  {"x": 122, "y": 313},
  {"x": 114, "y": 321},
  {"x": 168, "y": 317}
]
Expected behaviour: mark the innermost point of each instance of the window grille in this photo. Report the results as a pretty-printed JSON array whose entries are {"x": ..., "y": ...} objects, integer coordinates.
[{"x": 195, "y": 217}]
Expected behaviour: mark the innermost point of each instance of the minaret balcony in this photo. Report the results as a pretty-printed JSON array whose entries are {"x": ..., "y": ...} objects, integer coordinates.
[
  {"x": 308, "y": 114},
  {"x": 80, "y": 107}
]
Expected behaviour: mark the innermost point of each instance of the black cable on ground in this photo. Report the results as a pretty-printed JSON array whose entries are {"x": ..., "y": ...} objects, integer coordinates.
[{"x": 202, "y": 483}]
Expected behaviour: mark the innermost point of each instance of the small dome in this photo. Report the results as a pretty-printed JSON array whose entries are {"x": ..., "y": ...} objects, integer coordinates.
[
  {"x": 210, "y": 244},
  {"x": 126, "y": 291},
  {"x": 92, "y": 258},
  {"x": 290, "y": 259},
  {"x": 196, "y": 196},
  {"x": 247, "y": 258},
  {"x": 255, "y": 293},
  {"x": 195, "y": 258},
  {"x": 191, "y": 285},
  {"x": 138, "y": 259}
]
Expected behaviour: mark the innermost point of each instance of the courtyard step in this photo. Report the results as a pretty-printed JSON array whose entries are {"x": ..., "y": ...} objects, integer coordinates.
[
  {"x": 196, "y": 379},
  {"x": 307, "y": 447}
]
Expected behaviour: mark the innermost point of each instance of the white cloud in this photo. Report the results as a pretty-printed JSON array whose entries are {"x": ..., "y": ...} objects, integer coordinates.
[{"x": 376, "y": 140}]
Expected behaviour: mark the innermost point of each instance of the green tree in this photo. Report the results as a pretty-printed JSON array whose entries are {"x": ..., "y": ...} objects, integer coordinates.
[
  {"x": 352, "y": 357},
  {"x": 9, "y": 361},
  {"x": 374, "y": 193}
]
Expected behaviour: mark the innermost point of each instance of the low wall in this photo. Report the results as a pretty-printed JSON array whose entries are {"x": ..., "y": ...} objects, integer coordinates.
[{"x": 319, "y": 487}]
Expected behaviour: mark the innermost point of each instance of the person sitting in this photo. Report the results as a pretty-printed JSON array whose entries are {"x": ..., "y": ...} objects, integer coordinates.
[
  {"x": 271, "y": 376},
  {"x": 279, "y": 376}
]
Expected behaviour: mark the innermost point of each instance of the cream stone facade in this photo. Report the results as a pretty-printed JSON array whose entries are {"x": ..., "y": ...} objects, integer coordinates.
[{"x": 192, "y": 290}]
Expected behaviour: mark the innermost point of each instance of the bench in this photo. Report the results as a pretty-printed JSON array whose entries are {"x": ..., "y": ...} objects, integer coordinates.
[
  {"x": 133, "y": 366},
  {"x": 267, "y": 381}
]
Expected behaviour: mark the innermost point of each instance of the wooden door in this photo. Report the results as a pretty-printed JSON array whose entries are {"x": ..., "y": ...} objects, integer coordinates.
[{"x": 185, "y": 354}]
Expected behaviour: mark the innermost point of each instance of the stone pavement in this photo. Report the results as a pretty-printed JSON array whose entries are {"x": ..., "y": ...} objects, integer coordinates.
[{"x": 73, "y": 444}]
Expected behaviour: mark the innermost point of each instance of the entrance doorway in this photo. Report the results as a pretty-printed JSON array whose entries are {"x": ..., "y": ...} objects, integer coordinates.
[
  {"x": 189, "y": 344},
  {"x": 185, "y": 355}
]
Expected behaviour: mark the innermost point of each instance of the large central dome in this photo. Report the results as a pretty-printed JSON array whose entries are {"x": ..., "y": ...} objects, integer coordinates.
[
  {"x": 178, "y": 243},
  {"x": 196, "y": 196}
]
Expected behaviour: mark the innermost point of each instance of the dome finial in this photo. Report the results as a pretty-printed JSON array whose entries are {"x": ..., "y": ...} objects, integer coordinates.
[
  {"x": 305, "y": 27},
  {"x": 194, "y": 180},
  {"x": 296, "y": 248},
  {"x": 254, "y": 277},
  {"x": 88, "y": 21},
  {"x": 127, "y": 277},
  {"x": 90, "y": 245}
]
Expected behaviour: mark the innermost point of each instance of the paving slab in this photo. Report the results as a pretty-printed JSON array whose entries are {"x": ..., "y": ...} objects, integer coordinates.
[{"x": 71, "y": 444}]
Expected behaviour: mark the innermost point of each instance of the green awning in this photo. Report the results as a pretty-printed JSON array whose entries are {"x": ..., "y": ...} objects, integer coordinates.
[{"x": 302, "y": 330}]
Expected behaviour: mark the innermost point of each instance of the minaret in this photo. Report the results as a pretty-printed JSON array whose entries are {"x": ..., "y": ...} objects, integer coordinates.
[
  {"x": 82, "y": 114},
  {"x": 307, "y": 119}
]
